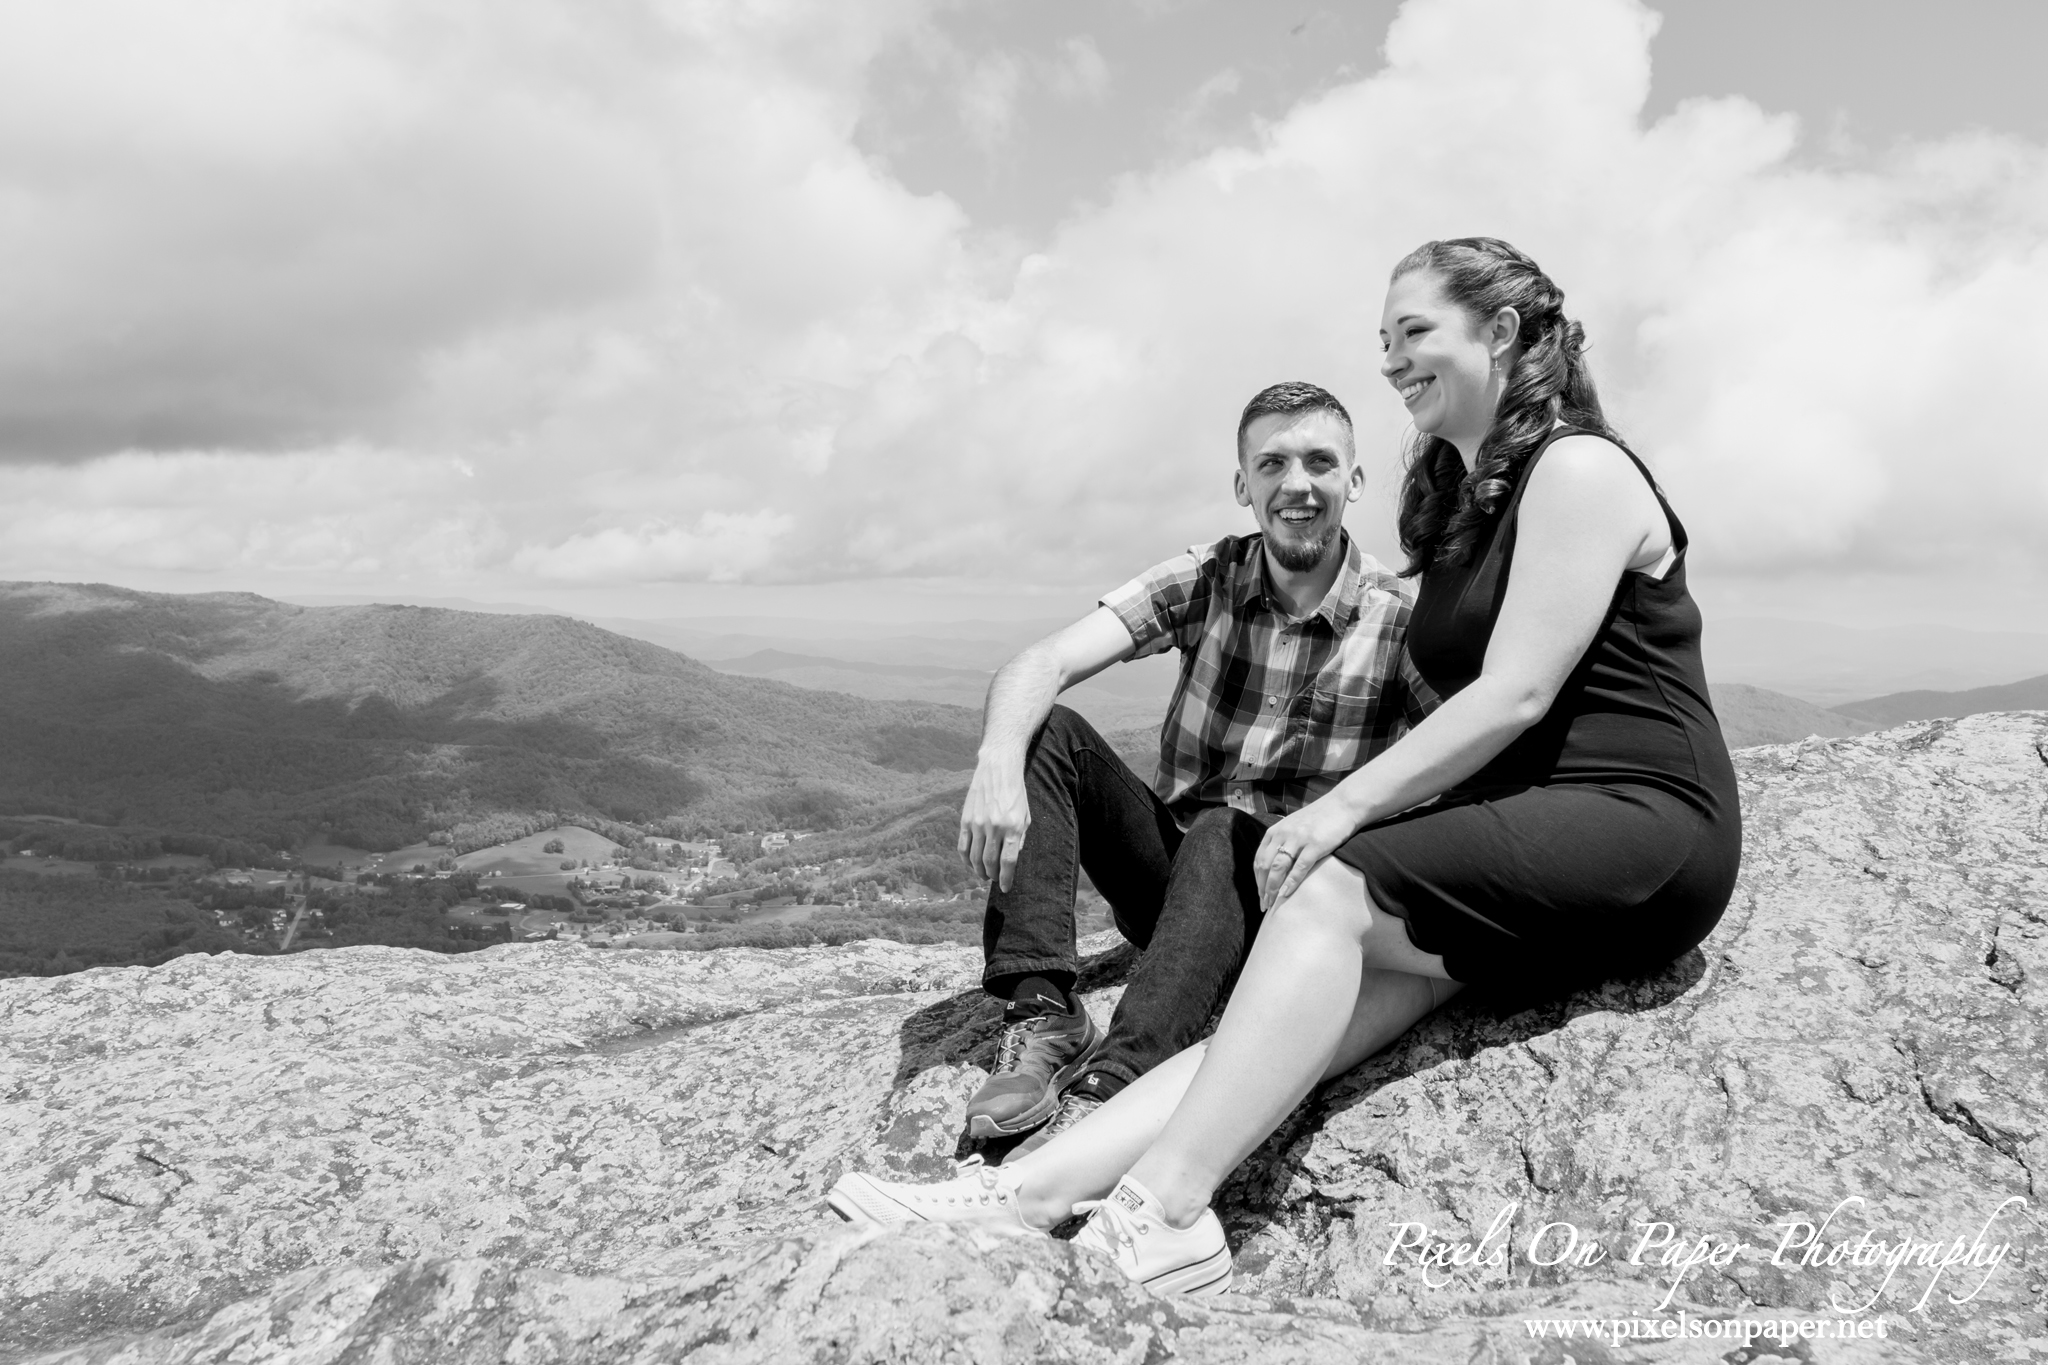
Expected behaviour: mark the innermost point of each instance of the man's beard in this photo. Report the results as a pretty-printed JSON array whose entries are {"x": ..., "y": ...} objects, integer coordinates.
[{"x": 1299, "y": 556}]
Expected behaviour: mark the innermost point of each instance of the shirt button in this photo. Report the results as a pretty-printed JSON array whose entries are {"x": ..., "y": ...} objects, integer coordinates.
[{"x": 1272, "y": 701}]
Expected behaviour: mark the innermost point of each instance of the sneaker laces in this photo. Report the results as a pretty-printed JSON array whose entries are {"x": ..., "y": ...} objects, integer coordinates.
[
  {"x": 993, "y": 1190},
  {"x": 1111, "y": 1227},
  {"x": 1073, "y": 1108},
  {"x": 1016, "y": 1037}
]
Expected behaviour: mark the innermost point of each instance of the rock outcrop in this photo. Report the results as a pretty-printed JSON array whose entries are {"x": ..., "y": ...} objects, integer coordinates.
[{"x": 549, "y": 1153}]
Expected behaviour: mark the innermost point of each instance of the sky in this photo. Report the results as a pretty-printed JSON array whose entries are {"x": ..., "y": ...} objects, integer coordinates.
[{"x": 904, "y": 310}]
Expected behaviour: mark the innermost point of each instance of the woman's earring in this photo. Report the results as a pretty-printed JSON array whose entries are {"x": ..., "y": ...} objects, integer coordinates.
[{"x": 1496, "y": 362}]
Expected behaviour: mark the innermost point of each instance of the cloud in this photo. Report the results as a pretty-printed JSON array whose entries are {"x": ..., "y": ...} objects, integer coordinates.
[
  {"x": 1192, "y": 122},
  {"x": 283, "y": 271},
  {"x": 988, "y": 99},
  {"x": 1080, "y": 73},
  {"x": 992, "y": 86},
  {"x": 278, "y": 226},
  {"x": 722, "y": 547},
  {"x": 247, "y": 224},
  {"x": 1828, "y": 366},
  {"x": 344, "y": 511}
]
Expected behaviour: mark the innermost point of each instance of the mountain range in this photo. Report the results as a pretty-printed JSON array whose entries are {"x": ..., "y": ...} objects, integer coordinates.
[
  {"x": 1774, "y": 680},
  {"x": 1134, "y": 695},
  {"x": 949, "y": 662},
  {"x": 2029, "y": 694},
  {"x": 1834, "y": 665},
  {"x": 1810, "y": 667},
  {"x": 229, "y": 713},
  {"x": 376, "y": 725}
]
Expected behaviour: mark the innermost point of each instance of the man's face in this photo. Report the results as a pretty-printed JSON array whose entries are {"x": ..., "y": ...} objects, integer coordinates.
[{"x": 1296, "y": 472}]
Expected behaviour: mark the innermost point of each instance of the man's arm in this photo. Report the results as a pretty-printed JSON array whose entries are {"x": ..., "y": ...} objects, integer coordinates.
[{"x": 1020, "y": 696}]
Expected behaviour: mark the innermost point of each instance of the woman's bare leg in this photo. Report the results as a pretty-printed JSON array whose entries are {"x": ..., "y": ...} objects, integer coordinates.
[
  {"x": 1389, "y": 1004},
  {"x": 1285, "y": 1027},
  {"x": 1087, "y": 1160}
]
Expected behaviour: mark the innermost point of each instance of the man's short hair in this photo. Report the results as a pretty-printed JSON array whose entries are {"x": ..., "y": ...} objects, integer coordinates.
[{"x": 1291, "y": 399}]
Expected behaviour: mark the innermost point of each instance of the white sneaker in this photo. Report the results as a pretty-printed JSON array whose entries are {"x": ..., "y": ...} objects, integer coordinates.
[
  {"x": 980, "y": 1194},
  {"x": 1130, "y": 1227}
]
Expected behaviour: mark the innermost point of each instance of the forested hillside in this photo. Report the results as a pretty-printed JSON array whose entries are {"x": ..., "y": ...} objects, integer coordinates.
[
  {"x": 232, "y": 715},
  {"x": 53, "y": 925}
]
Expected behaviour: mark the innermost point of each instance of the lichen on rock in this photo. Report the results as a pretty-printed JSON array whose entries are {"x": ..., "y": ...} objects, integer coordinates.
[{"x": 545, "y": 1152}]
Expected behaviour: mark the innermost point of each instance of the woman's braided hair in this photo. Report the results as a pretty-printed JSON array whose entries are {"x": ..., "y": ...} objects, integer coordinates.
[{"x": 1444, "y": 509}]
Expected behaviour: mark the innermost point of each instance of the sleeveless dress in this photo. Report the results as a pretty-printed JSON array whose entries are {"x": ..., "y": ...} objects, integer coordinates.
[{"x": 1604, "y": 840}]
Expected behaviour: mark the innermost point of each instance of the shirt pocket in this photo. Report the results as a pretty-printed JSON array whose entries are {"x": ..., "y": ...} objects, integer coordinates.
[{"x": 1337, "y": 722}]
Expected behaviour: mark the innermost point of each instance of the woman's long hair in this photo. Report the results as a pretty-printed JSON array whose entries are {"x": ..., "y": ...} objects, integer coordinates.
[{"x": 1445, "y": 509}]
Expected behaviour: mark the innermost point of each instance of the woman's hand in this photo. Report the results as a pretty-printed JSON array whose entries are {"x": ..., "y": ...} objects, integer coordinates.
[{"x": 1293, "y": 848}]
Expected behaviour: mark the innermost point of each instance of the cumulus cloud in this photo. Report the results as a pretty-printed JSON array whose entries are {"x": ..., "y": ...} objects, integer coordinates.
[
  {"x": 1829, "y": 367},
  {"x": 626, "y": 266},
  {"x": 247, "y": 224}
]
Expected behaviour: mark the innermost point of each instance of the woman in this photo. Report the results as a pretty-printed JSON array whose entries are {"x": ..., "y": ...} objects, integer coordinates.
[{"x": 1587, "y": 825}]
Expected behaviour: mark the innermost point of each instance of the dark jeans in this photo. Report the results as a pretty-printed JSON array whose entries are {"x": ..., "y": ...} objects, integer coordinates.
[{"x": 1187, "y": 899}]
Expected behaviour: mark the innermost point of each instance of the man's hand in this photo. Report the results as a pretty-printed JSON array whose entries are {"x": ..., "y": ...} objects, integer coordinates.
[
  {"x": 1295, "y": 846},
  {"x": 994, "y": 818},
  {"x": 1020, "y": 696}
]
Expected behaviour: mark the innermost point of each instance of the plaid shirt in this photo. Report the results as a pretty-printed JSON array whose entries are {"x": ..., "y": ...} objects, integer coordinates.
[{"x": 1271, "y": 712}]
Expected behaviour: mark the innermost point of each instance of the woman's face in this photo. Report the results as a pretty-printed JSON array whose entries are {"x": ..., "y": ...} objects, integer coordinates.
[{"x": 1440, "y": 360}]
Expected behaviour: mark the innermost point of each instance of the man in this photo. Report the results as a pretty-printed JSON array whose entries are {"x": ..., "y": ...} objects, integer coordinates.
[{"x": 1294, "y": 673}]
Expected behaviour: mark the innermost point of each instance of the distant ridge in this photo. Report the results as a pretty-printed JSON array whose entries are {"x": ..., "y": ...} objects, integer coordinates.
[
  {"x": 921, "y": 668},
  {"x": 1754, "y": 715},
  {"x": 1835, "y": 665},
  {"x": 232, "y": 714},
  {"x": 773, "y": 660},
  {"x": 2029, "y": 694}
]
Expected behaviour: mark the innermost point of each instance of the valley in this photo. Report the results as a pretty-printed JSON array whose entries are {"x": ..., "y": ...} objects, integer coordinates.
[
  {"x": 781, "y": 889},
  {"x": 224, "y": 772}
]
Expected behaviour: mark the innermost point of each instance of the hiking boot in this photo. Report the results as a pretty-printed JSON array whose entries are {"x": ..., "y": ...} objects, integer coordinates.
[
  {"x": 1074, "y": 1106},
  {"x": 1131, "y": 1229},
  {"x": 985, "y": 1195},
  {"x": 1036, "y": 1057}
]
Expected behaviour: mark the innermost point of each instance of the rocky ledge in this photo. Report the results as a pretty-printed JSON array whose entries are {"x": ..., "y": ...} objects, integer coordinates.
[{"x": 549, "y": 1153}]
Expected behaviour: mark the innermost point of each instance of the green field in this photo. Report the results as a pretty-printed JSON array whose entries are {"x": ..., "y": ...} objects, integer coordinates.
[
  {"x": 521, "y": 864},
  {"x": 525, "y": 858}
]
